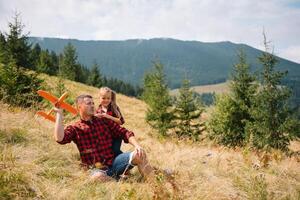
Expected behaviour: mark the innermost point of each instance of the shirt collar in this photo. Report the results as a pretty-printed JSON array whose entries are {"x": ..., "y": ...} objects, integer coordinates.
[{"x": 88, "y": 121}]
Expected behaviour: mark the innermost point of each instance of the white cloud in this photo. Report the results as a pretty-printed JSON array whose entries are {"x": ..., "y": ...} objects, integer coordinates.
[
  {"x": 292, "y": 52},
  {"x": 203, "y": 20}
]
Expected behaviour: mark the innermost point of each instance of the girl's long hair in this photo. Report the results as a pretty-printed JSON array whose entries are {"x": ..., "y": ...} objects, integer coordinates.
[{"x": 114, "y": 107}]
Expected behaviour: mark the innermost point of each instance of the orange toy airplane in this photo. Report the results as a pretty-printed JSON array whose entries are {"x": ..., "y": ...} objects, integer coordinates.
[{"x": 58, "y": 102}]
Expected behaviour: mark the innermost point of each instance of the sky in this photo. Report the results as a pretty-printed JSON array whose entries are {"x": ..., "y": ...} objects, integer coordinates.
[{"x": 238, "y": 21}]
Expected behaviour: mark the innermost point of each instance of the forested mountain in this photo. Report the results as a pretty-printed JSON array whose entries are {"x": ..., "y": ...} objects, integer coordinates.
[{"x": 204, "y": 63}]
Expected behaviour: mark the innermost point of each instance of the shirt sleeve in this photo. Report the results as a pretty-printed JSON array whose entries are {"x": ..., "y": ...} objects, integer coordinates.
[
  {"x": 118, "y": 131},
  {"x": 69, "y": 135}
]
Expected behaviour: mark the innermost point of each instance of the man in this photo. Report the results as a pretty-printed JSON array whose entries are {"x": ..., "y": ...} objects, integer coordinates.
[{"x": 93, "y": 137}]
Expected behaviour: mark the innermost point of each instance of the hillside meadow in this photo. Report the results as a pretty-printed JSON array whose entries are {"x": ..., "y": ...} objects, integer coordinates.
[
  {"x": 219, "y": 88},
  {"x": 34, "y": 166}
]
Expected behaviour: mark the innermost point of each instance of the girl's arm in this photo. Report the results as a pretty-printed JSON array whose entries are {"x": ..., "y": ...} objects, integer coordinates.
[
  {"x": 115, "y": 119},
  {"x": 119, "y": 121}
]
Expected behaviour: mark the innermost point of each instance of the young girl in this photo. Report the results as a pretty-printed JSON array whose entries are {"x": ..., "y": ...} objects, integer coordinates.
[{"x": 109, "y": 109}]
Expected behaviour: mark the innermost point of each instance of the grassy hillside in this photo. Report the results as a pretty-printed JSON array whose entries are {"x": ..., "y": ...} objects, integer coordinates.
[
  {"x": 33, "y": 165},
  {"x": 219, "y": 88}
]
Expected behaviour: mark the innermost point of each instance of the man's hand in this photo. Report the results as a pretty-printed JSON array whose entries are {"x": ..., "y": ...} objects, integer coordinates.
[
  {"x": 139, "y": 151},
  {"x": 58, "y": 110}
]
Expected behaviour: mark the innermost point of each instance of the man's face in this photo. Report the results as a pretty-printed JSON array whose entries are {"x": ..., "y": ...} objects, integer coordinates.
[{"x": 87, "y": 106}]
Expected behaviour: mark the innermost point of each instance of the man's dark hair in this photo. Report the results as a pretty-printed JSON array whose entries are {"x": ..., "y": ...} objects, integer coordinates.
[{"x": 80, "y": 98}]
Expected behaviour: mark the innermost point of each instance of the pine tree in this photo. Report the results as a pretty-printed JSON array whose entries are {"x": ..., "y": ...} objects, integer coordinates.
[
  {"x": 17, "y": 44},
  {"x": 17, "y": 85},
  {"x": 95, "y": 78},
  {"x": 60, "y": 87},
  {"x": 273, "y": 125},
  {"x": 3, "y": 50},
  {"x": 187, "y": 113},
  {"x": 45, "y": 63},
  {"x": 232, "y": 112},
  {"x": 68, "y": 64},
  {"x": 35, "y": 55},
  {"x": 156, "y": 95},
  {"x": 55, "y": 63}
]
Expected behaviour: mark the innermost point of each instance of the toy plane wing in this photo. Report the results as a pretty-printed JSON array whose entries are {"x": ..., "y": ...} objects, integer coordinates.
[
  {"x": 46, "y": 115},
  {"x": 58, "y": 101}
]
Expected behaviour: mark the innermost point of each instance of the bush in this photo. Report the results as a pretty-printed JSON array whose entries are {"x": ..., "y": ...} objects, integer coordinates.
[
  {"x": 18, "y": 86},
  {"x": 223, "y": 123},
  {"x": 232, "y": 112}
]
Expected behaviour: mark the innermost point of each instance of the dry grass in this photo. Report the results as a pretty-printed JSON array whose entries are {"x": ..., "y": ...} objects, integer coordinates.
[{"x": 47, "y": 170}]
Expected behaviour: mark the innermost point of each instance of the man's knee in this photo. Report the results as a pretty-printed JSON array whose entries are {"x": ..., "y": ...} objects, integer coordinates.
[{"x": 139, "y": 159}]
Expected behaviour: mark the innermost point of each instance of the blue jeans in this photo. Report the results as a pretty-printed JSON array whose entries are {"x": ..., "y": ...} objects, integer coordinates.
[{"x": 121, "y": 164}]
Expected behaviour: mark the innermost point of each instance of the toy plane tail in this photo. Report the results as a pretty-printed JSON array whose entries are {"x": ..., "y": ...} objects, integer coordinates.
[{"x": 46, "y": 115}]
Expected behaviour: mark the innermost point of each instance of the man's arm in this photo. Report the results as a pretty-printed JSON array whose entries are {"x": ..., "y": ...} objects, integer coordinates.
[
  {"x": 127, "y": 136},
  {"x": 117, "y": 131},
  {"x": 59, "y": 127},
  {"x": 133, "y": 141}
]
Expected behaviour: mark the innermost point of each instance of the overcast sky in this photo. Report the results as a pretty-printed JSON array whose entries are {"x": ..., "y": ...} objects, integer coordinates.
[{"x": 238, "y": 21}]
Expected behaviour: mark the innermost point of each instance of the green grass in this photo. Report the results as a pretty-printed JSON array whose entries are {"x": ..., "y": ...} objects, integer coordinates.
[
  {"x": 13, "y": 136},
  {"x": 254, "y": 185},
  {"x": 92, "y": 190},
  {"x": 13, "y": 183}
]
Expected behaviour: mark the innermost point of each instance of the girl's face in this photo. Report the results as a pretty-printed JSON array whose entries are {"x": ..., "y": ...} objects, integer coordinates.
[{"x": 105, "y": 98}]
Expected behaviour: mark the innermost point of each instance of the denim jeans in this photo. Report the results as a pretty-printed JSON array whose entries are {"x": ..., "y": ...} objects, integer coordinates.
[{"x": 121, "y": 164}]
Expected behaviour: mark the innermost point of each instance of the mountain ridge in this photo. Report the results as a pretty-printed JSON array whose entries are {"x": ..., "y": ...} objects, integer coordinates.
[{"x": 128, "y": 60}]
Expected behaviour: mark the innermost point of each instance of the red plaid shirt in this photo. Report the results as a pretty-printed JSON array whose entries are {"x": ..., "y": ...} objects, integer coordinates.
[
  {"x": 94, "y": 139},
  {"x": 111, "y": 113}
]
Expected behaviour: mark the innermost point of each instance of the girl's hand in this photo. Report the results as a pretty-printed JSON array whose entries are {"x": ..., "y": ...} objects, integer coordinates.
[{"x": 100, "y": 115}]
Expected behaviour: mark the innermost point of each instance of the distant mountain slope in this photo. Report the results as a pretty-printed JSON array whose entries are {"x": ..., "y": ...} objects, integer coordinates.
[
  {"x": 204, "y": 63},
  {"x": 219, "y": 88}
]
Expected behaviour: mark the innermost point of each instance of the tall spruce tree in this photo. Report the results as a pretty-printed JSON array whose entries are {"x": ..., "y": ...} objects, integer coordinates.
[
  {"x": 156, "y": 95},
  {"x": 232, "y": 112},
  {"x": 17, "y": 43},
  {"x": 44, "y": 64},
  {"x": 3, "y": 50},
  {"x": 35, "y": 55},
  {"x": 68, "y": 64},
  {"x": 95, "y": 78},
  {"x": 55, "y": 63},
  {"x": 17, "y": 85},
  {"x": 187, "y": 113},
  {"x": 273, "y": 125}
]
